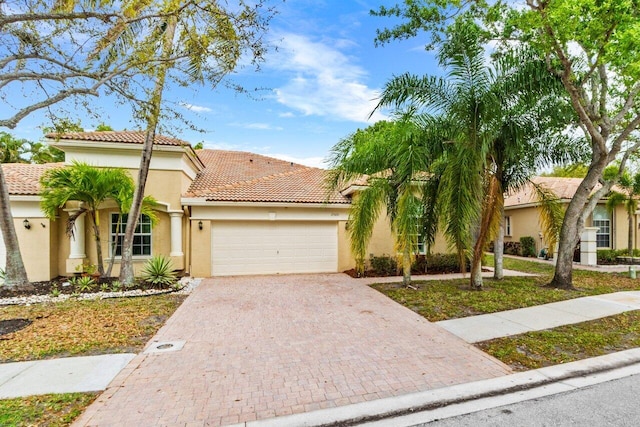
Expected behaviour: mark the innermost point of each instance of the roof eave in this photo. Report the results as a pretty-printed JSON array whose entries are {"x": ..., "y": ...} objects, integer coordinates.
[{"x": 201, "y": 201}]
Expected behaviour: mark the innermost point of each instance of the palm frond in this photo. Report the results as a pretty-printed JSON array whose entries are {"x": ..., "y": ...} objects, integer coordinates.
[
  {"x": 363, "y": 215},
  {"x": 551, "y": 215}
]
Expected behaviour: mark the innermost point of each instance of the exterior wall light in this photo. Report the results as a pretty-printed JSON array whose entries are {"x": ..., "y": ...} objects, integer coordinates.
[
  {"x": 199, "y": 225},
  {"x": 26, "y": 224}
]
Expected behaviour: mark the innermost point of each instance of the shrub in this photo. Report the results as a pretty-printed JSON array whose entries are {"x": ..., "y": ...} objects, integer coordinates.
[
  {"x": 528, "y": 246},
  {"x": 383, "y": 265},
  {"x": 159, "y": 271},
  {"x": 437, "y": 263},
  {"x": 608, "y": 256}
]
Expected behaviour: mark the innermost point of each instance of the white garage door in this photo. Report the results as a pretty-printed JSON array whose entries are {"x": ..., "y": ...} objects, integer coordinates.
[{"x": 270, "y": 247}]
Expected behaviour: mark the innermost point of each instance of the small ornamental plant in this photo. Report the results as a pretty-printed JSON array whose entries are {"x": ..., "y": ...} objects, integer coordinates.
[{"x": 159, "y": 272}]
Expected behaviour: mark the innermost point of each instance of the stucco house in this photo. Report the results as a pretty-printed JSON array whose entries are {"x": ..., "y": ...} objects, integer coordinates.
[
  {"x": 522, "y": 215},
  {"x": 221, "y": 212}
]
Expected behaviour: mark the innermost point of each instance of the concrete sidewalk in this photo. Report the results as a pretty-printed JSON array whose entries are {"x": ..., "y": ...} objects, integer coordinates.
[
  {"x": 513, "y": 322},
  {"x": 65, "y": 375}
]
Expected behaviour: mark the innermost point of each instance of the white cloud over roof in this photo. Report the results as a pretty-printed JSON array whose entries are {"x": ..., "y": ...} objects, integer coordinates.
[{"x": 323, "y": 81}]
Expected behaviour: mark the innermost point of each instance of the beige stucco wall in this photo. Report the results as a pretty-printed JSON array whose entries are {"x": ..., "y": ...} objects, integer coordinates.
[
  {"x": 525, "y": 222},
  {"x": 200, "y": 249},
  {"x": 345, "y": 258},
  {"x": 36, "y": 247},
  {"x": 619, "y": 228}
]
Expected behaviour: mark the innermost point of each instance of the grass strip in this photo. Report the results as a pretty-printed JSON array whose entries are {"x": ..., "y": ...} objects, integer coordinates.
[
  {"x": 568, "y": 343},
  {"x": 80, "y": 328},
  {"x": 51, "y": 410},
  {"x": 449, "y": 299}
]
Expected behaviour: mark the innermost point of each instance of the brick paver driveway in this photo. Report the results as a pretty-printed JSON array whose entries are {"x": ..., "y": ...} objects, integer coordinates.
[{"x": 261, "y": 347}]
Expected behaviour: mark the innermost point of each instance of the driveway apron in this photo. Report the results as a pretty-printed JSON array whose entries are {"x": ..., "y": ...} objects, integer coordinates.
[{"x": 247, "y": 348}]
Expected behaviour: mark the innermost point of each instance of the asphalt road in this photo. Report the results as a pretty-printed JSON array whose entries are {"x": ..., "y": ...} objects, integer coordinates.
[{"x": 613, "y": 403}]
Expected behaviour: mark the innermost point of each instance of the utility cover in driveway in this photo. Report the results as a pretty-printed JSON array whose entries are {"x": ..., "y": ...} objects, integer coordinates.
[{"x": 272, "y": 247}]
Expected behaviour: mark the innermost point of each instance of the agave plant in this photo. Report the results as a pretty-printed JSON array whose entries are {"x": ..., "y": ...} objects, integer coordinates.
[{"x": 159, "y": 271}]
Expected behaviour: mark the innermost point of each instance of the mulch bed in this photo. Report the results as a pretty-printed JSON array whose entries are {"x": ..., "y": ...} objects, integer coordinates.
[
  {"x": 371, "y": 273},
  {"x": 13, "y": 325},
  {"x": 62, "y": 285}
]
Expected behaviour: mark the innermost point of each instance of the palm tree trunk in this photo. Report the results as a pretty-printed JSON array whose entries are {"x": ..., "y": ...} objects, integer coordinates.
[
  {"x": 498, "y": 250},
  {"x": 16, "y": 274},
  {"x": 114, "y": 247},
  {"x": 96, "y": 234},
  {"x": 126, "y": 266},
  {"x": 484, "y": 230},
  {"x": 406, "y": 266}
]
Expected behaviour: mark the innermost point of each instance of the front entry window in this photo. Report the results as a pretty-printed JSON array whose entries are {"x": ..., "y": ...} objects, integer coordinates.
[
  {"x": 602, "y": 220},
  {"x": 141, "y": 235}
]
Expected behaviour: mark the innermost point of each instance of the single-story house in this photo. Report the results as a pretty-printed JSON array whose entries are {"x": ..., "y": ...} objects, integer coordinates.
[
  {"x": 522, "y": 215},
  {"x": 221, "y": 212},
  {"x": 229, "y": 213}
]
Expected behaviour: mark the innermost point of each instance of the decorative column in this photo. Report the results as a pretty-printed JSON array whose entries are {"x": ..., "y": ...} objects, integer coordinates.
[
  {"x": 77, "y": 252},
  {"x": 588, "y": 246},
  {"x": 176, "y": 234}
]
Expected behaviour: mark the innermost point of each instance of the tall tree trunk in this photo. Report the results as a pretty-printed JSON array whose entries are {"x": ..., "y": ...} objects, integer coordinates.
[
  {"x": 126, "y": 266},
  {"x": 16, "y": 275},
  {"x": 406, "y": 266},
  {"x": 486, "y": 219},
  {"x": 498, "y": 250},
  {"x": 573, "y": 224}
]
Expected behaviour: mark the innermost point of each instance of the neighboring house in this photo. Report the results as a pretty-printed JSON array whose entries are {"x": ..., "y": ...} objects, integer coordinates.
[
  {"x": 522, "y": 215},
  {"x": 221, "y": 212}
]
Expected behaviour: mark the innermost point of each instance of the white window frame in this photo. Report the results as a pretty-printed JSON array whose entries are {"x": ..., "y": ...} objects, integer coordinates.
[
  {"x": 421, "y": 247},
  {"x": 605, "y": 224},
  {"x": 507, "y": 226},
  {"x": 142, "y": 220}
]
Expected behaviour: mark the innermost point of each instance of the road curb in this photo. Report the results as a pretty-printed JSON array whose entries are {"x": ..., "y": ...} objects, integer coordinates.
[{"x": 574, "y": 374}]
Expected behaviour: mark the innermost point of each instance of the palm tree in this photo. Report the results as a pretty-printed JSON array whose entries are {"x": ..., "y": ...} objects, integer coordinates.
[
  {"x": 391, "y": 158},
  {"x": 91, "y": 187},
  {"x": 498, "y": 131},
  {"x": 190, "y": 42}
]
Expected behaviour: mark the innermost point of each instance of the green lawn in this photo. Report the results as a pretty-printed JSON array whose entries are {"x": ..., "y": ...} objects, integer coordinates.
[
  {"x": 567, "y": 343},
  {"x": 53, "y": 410},
  {"x": 448, "y": 299},
  {"x": 75, "y": 328}
]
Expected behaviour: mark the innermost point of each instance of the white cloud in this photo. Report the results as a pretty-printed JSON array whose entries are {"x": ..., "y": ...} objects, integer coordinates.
[
  {"x": 323, "y": 81},
  {"x": 286, "y": 115},
  {"x": 256, "y": 126},
  {"x": 316, "y": 162},
  {"x": 196, "y": 108}
]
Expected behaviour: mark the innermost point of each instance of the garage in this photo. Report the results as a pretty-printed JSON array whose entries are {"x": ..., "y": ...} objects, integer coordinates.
[{"x": 272, "y": 247}]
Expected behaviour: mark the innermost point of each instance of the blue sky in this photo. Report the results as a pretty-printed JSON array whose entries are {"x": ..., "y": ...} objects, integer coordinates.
[{"x": 321, "y": 85}]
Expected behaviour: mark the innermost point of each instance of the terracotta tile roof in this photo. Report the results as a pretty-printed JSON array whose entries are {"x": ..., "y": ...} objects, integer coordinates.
[
  {"x": 124, "y": 137},
  {"x": 23, "y": 178},
  {"x": 246, "y": 177},
  {"x": 564, "y": 188}
]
